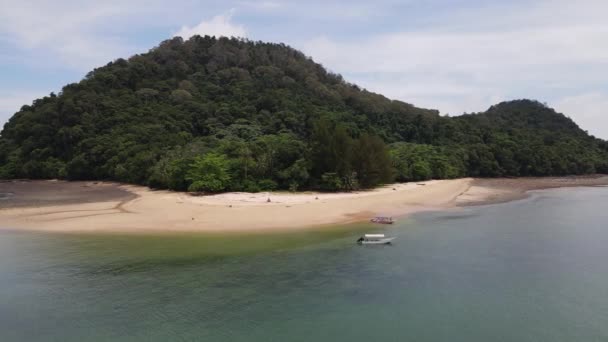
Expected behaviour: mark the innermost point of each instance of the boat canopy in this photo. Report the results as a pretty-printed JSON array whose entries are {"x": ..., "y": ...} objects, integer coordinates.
[{"x": 374, "y": 236}]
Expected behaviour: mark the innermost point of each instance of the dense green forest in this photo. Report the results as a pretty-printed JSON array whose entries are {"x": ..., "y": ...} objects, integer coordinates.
[{"x": 224, "y": 114}]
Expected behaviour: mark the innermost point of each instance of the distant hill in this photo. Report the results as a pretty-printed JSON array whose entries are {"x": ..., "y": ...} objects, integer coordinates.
[{"x": 211, "y": 114}]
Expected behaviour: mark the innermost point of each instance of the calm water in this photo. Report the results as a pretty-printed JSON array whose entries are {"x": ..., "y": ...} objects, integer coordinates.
[{"x": 532, "y": 270}]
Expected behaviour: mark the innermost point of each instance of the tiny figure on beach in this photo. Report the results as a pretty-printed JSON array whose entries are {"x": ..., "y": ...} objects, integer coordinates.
[{"x": 268, "y": 200}]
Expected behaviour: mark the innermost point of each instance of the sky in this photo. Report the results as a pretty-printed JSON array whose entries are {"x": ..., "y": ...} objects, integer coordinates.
[{"x": 455, "y": 56}]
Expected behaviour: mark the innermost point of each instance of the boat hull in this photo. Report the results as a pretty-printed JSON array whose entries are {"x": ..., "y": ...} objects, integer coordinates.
[
  {"x": 380, "y": 222},
  {"x": 386, "y": 241}
]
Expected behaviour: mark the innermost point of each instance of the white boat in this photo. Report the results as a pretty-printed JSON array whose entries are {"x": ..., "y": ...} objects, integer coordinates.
[{"x": 375, "y": 239}]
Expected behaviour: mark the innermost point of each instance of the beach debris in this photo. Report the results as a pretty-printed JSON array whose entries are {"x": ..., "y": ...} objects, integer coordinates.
[
  {"x": 395, "y": 189},
  {"x": 230, "y": 206},
  {"x": 317, "y": 197},
  {"x": 268, "y": 200}
]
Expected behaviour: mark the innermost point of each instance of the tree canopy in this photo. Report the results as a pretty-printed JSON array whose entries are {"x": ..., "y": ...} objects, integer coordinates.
[{"x": 216, "y": 114}]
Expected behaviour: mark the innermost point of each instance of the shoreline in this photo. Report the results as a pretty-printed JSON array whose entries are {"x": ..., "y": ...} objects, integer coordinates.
[
  {"x": 102, "y": 207},
  {"x": 485, "y": 191}
]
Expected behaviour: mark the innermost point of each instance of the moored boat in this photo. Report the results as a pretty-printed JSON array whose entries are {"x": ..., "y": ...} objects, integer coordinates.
[
  {"x": 382, "y": 220},
  {"x": 375, "y": 239}
]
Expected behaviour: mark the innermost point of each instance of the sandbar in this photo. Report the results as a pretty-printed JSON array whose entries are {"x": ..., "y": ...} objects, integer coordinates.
[{"x": 62, "y": 206}]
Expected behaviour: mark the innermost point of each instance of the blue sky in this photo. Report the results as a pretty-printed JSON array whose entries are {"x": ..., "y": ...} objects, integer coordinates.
[{"x": 452, "y": 55}]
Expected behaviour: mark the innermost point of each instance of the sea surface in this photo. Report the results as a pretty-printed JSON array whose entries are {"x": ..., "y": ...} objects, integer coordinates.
[{"x": 530, "y": 270}]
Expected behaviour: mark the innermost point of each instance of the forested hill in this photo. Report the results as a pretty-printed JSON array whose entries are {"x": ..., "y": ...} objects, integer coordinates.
[{"x": 211, "y": 115}]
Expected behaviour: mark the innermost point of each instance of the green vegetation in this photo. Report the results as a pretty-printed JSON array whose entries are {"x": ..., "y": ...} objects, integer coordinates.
[
  {"x": 225, "y": 114},
  {"x": 208, "y": 173}
]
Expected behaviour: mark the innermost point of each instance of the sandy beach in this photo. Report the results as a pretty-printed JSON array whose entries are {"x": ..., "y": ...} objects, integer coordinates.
[{"x": 109, "y": 207}]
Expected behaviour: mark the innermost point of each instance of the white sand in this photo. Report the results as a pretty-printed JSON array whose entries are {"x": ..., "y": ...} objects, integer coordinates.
[{"x": 164, "y": 211}]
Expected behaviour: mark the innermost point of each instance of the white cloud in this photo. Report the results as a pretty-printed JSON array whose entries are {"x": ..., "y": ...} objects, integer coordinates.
[
  {"x": 335, "y": 12},
  {"x": 590, "y": 111},
  {"x": 70, "y": 32},
  {"x": 261, "y": 5},
  {"x": 471, "y": 60},
  {"x": 479, "y": 55},
  {"x": 12, "y": 101},
  {"x": 220, "y": 25}
]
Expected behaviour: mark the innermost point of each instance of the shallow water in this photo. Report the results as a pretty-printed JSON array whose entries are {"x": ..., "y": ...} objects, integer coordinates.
[{"x": 531, "y": 270}]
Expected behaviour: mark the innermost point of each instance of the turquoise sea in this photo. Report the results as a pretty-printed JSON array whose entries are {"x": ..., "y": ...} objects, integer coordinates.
[{"x": 530, "y": 270}]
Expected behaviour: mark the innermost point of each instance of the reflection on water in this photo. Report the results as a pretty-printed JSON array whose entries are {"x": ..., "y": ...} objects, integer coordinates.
[{"x": 532, "y": 270}]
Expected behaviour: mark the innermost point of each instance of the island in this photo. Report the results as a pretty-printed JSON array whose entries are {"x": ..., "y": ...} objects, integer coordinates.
[{"x": 227, "y": 134}]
